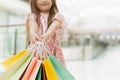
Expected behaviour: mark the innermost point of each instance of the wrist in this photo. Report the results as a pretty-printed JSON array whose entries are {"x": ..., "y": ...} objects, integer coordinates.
[{"x": 46, "y": 36}]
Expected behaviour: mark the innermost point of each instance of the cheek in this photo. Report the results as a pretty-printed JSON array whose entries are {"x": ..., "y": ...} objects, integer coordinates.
[
  {"x": 38, "y": 2},
  {"x": 50, "y": 1},
  {"x": 50, "y": 5}
]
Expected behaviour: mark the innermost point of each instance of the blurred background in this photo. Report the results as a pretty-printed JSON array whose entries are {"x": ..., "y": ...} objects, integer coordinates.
[{"x": 90, "y": 42}]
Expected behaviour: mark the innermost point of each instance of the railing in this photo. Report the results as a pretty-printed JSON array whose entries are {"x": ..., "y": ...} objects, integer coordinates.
[{"x": 13, "y": 39}]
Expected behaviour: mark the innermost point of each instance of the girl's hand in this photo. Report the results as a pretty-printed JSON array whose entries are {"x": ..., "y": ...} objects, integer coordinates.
[
  {"x": 34, "y": 37},
  {"x": 46, "y": 36}
]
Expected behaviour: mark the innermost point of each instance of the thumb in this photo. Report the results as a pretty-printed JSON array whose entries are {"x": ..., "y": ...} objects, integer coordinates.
[{"x": 38, "y": 38}]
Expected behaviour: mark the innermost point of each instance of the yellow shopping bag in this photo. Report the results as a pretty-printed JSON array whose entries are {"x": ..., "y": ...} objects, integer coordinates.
[
  {"x": 50, "y": 72},
  {"x": 16, "y": 70},
  {"x": 10, "y": 61}
]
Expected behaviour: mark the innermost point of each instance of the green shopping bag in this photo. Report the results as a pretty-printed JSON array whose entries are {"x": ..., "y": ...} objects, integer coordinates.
[
  {"x": 39, "y": 75},
  {"x": 14, "y": 69},
  {"x": 61, "y": 71}
]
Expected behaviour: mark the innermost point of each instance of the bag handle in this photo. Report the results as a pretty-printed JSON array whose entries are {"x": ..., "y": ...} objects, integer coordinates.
[
  {"x": 45, "y": 46},
  {"x": 34, "y": 49},
  {"x": 33, "y": 46},
  {"x": 42, "y": 50}
]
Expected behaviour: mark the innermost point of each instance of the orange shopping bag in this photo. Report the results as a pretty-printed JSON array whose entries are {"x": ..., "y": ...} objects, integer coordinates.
[{"x": 32, "y": 70}]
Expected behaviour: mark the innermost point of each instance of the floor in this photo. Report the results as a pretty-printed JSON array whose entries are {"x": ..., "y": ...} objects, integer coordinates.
[{"x": 105, "y": 67}]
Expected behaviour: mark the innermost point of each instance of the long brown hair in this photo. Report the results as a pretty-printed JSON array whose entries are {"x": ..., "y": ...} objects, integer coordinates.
[{"x": 36, "y": 11}]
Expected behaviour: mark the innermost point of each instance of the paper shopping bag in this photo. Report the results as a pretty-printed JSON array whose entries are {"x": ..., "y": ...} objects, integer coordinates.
[
  {"x": 61, "y": 71},
  {"x": 50, "y": 72},
  {"x": 39, "y": 74},
  {"x": 10, "y": 61},
  {"x": 14, "y": 68},
  {"x": 44, "y": 77},
  {"x": 21, "y": 70},
  {"x": 32, "y": 69}
]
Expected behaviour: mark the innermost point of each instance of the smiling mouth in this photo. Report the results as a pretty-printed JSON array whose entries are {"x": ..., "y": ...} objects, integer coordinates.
[{"x": 44, "y": 4}]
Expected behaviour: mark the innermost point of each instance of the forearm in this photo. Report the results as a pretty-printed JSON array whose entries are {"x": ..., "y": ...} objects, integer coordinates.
[
  {"x": 31, "y": 29},
  {"x": 52, "y": 29}
]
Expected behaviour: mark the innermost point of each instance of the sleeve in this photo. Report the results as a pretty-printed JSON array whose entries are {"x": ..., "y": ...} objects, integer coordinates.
[
  {"x": 60, "y": 17},
  {"x": 31, "y": 16}
]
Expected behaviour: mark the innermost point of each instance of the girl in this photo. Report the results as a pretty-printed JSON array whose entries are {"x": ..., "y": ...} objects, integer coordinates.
[{"x": 44, "y": 22}]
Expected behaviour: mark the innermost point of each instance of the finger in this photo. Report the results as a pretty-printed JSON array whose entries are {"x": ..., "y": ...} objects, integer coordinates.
[
  {"x": 37, "y": 37},
  {"x": 33, "y": 40}
]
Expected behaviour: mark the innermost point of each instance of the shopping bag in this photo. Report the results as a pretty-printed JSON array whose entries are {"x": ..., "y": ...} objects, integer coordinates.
[
  {"x": 32, "y": 70},
  {"x": 21, "y": 70},
  {"x": 14, "y": 68},
  {"x": 50, "y": 72},
  {"x": 44, "y": 77},
  {"x": 39, "y": 74},
  {"x": 61, "y": 71},
  {"x": 10, "y": 61}
]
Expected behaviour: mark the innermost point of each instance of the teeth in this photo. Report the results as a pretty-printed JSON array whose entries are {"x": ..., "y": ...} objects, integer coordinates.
[{"x": 43, "y": 4}]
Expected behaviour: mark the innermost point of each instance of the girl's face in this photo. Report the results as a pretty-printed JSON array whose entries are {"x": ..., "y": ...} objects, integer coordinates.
[{"x": 44, "y": 5}]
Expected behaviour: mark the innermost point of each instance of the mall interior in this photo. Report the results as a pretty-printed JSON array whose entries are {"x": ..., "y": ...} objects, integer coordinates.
[{"x": 90, "y": 41}]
